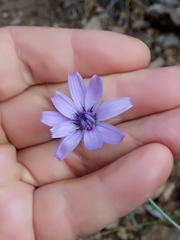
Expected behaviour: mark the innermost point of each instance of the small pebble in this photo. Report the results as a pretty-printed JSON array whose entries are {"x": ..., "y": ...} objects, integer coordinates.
[
  {"x": 168, "y": 192},
  {"x": 113, "y": 225},
  {"x": 5, "y": 14},
  {"x": 122, "y": 233},
  {"x": 171, "y": 40},
  {"x": 94, "y": 23},
  {"x": 158, "y": 62},
  {"x": 118, "y": 29},
  {"x": 15, "y": 21}
]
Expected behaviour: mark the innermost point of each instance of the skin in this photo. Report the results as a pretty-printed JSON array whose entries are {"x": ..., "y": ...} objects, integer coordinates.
[{"x": 43, "y": 199}]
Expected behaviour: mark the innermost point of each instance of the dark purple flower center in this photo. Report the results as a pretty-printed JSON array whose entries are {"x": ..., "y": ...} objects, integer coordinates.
[{"x": 85, "y": 120}]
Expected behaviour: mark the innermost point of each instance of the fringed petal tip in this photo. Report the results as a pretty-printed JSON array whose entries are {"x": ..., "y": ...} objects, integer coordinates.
[
  {"x": 59, "y": 159},
  {"x": 43, "y": 114},
  {"x": 67, "y": 145},
  {"x": 118, "y": 143},
  {"x": 42, "y": 119},
  {"x": 113, "y": 108},
  {"x": 130, "y": 100},
  {"x": 122, "y": 139},
  {"x": 52, "y": 118},
  {"x": 94, "y": 93},
  {"x": 55, "y": 95},
  {"x": 75, "y": 74},
  {"x": 77, "y": 89},
  {"x": 52, "y": 135}
]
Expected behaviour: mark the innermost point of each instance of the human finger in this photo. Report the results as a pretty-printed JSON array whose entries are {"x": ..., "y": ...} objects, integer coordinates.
[
  {"x": 112, "y": 192},
  {"x": 144, "y": 87},
  {"x": 15, "y": 198},
  {"x": 160, "y": 128},
  {"x": 48, "y": 55}
]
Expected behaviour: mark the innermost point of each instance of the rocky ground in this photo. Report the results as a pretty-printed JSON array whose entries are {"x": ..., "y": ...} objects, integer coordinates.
[{"x": 157, "y": 23}]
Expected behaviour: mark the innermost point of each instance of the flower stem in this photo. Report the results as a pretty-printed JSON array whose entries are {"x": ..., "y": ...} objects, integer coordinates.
[{"x": 164, "y": 214}]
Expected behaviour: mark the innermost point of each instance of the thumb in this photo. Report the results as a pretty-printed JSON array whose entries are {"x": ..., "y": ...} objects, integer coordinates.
[{"x": 80, "y": 207}]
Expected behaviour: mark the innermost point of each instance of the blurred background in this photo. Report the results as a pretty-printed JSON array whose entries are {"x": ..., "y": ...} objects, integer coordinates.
[{"x": 155, "y": 22}]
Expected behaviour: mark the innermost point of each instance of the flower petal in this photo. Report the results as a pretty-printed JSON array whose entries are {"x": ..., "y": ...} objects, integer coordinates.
[
  {"x": 109, "y": 133},
  {"x": 77, "y": 89},
  {"x": 94, "y": 93},
  {"x": 63, "y": 130},
  {"x": 64, "y": 105},
  {"x": 113, "y": 108},
  {"x": 92, "y": 139},
  {"x": 52, "y": 118},
  {"x": 67, "y": 145}
]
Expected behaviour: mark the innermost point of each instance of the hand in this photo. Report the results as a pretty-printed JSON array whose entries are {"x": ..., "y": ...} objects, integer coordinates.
[{"x": 43, "y": 199}]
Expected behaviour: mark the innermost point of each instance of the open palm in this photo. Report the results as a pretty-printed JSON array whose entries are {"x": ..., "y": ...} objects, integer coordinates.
[{"x": 44, "y": 199}]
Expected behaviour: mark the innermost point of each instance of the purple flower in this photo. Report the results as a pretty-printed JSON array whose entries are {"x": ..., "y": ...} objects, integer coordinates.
[{"x": 83, "y": 116}]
